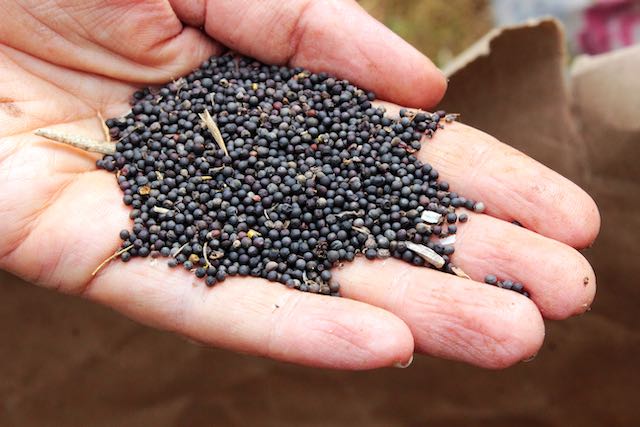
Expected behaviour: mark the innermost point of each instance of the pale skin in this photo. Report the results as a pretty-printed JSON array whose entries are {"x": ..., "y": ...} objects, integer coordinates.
[{"x": 62, "y": 62}]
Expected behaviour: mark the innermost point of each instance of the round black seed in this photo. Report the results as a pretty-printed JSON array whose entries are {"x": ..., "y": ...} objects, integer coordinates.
[
  {"x": 518, "y": 287},
  {"x": 144, "y": 251},
  {"x": 371, "y": 253},
  {"x": 491, "y": 279},
  {"x": 479, "y": 207},
  {"x": 333, "y": 256}
]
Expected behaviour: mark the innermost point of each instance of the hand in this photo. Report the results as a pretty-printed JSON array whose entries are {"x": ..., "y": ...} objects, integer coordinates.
[{"x": 63, "y": 62}]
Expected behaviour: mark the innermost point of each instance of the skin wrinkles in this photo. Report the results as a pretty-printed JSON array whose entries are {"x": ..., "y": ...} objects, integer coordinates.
[{"x": 238, "y": 315}]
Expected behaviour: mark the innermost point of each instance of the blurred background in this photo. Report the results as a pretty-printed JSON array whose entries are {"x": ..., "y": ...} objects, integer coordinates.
[
  {"x": 64, "y": 361},
  {"x": 440, "y": 29},
  {"x": 443, "y": 29}
]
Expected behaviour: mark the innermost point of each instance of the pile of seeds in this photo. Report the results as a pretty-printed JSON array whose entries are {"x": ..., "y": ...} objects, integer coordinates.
[{"x": 248, "y": 169}]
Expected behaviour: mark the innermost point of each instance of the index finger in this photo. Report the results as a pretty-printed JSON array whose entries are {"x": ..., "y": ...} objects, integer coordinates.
[{"x": 335, "y": 36}]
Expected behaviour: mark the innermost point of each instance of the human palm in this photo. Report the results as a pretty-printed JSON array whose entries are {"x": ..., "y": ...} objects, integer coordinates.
[{"x": 64, "y": 63}]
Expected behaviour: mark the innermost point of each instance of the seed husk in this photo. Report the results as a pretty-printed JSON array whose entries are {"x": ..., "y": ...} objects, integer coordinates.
[
  {"x": 431, "y": 217},
  {"x": 160, "y": 210},
  {"x": 427, "y": 254}
]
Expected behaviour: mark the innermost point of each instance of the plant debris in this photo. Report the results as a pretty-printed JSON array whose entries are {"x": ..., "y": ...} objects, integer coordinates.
[{"x": 81, "y": 142}]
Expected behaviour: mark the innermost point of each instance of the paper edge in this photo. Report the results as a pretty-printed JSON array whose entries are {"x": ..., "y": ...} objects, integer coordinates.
[{"x": 482, "y": 47}]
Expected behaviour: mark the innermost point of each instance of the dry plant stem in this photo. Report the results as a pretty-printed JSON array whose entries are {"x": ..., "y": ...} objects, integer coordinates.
[
  {"x": 204, "y": 253},
  {"x": 213, "y": 128},
  {"x": 77, "y": 141},
  {"x": 115, "y": 255},
  {"x": 459, "y": 272},
  {"x": 180, "y": 250},
  {"x": 105, "y": 129}
]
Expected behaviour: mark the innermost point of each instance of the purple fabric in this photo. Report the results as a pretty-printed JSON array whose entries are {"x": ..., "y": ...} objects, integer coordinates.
[{"x": 610, "y": 24}]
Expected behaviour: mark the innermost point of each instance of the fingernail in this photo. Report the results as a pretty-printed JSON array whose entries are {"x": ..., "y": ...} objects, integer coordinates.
[
  {"x": 530, "y": 358},
  {"x": 404, "y": 365}
]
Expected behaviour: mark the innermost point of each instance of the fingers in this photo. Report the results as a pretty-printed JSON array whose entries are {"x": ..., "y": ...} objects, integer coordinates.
[
  {"x": 257, "y": 317},
  {"x": 559, "y": 279},
  {"x": 141, "y": 42},
  {"x": 144, "y": 42},
  {"x": 449, "y": 316},
  {"x": 78, "y": 227},
  {"x": 335, "y": 36},
  {"x": 512, "y": 185}
]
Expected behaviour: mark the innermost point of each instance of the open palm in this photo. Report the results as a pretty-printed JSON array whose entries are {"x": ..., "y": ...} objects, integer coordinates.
[{"x": 64, "y": 62}]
